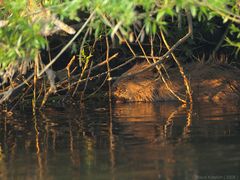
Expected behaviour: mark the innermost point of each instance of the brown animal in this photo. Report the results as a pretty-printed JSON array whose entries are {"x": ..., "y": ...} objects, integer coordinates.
[{"x": 209, "y": 83}]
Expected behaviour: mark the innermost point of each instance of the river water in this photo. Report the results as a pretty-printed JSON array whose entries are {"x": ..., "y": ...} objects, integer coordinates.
[{"x": 122, "y": 141}]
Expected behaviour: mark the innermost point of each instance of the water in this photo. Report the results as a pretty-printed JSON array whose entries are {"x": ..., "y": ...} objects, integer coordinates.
[{"x": 126, "y": 141}]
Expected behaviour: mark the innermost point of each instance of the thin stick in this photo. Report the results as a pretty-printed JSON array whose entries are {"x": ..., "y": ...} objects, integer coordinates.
[
  {"x": 20, "y": 98},
  {"x": 81, "y": 47},
  {"x": 128, "y": 45},
  {"x": 6, "y": 95},
  {"x": 35, "y": 85},
  {"x": 104, "y": 73},
  {"x": 221, "y": 40},
  {"x": 80, "y": 78},
  {"x": 108, "y": 71},
  {"x": 185, "y": 79},
  {"x": 68, "y": 44},
  {"x": 162, "y": 58},
  {"x": 107, "y": 22},
  {"x": 85, "y": 87},
  {"x": 162, "y": 77},
  {"x": 97, "y": 89}
]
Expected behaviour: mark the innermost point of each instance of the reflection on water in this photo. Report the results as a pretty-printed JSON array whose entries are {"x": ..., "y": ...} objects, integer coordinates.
[{"x": 126, "y": 141}]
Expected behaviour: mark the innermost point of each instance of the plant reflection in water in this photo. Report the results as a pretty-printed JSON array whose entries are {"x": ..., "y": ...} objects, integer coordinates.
[{"x": 136, "y": 140}]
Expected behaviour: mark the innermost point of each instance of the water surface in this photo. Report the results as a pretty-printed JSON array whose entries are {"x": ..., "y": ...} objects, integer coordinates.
[{"x": 122, "y": 141}]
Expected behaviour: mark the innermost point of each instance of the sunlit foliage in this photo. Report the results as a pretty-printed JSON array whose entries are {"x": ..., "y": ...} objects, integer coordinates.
[{"x": 21, "y": 38}]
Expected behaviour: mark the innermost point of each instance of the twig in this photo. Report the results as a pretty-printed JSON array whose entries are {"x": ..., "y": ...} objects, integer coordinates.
[
  {"x": 108, "y": 71},
  {"x": 122, "y": 40},
  {"x": 63, "y": 81},
  {"x": 81, "y": 47},
  {"x": 67, "y": 45},
  {"x": 105, "y": 61},
  {"x": 20, "y": 98},
  {"x": 185, "y": 79},
  {"x": 128, "y": 45},
  {"x": 162, "y": 77},
  {"x": 7, "y": 94},
  {"x": 97, "y": 89},
  {"x": 104, "y": 73},
  {"x": 81, "y": 75},
  {"x": 220, "y": 41},
  {"x": 162, "y": 58},
  {"x": 85, "y": 87},
  {"x": 35, "y": 85},
  {"x": 94, "y": 67},
  {"x": 107, "y": 22}
]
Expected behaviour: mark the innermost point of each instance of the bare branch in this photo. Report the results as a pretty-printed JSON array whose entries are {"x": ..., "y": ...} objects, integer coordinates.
[{"x": 168, "y": 53}]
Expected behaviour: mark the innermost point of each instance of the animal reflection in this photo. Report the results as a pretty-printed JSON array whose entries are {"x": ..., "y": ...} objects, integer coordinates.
[{"x": 80, "y": 140}]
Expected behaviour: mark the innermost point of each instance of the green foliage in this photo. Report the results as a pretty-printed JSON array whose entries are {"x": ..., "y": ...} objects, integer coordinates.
[
  {"x": 234, "y": 32},
  {"x": 21, "y": 38},
  {"x": 85, "y": 57}
]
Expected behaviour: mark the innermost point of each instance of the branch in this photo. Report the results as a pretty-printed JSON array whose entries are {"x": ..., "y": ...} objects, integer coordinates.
[
  {"x": 5, "y": 95},
  {"x": 168, "y": 53},
  {"x": 67, "y": 45}
]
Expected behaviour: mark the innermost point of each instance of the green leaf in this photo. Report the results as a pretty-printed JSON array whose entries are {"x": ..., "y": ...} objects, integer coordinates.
[{"x": 193, "y": 10}]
